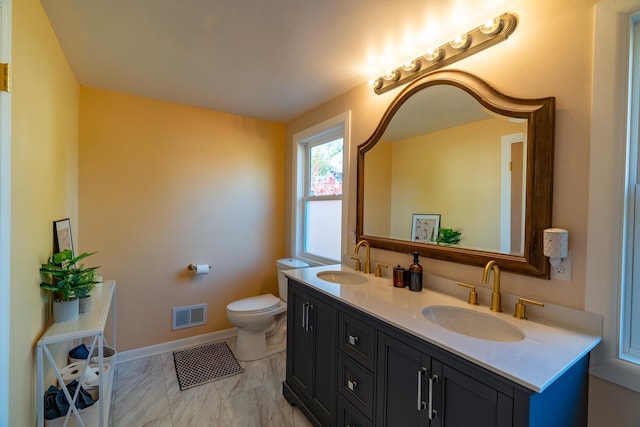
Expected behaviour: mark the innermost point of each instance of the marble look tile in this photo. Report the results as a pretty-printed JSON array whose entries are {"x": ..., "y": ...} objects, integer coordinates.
[
  {"x": 254, "y": 408},
  {"x": 164, "y": 421},
  {"x": 299, "y": 420},
  {"x": 271, "y": 372},
  {"x": 237, "y": 383},
  {"x": 147, "y": 393},
  {"x": 197, "y": 406},
  {"x": 141, "y": 396}
]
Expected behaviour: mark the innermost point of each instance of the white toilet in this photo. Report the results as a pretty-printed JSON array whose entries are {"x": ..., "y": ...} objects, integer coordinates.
[{"x": 255, "y": 317}]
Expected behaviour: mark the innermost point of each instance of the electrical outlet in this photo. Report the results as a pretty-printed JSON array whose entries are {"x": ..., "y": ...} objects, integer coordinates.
[{"x": 563, "y": 271}]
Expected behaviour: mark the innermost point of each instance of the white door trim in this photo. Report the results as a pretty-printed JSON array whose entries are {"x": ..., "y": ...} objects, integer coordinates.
[{"x": 5, "y": 215}]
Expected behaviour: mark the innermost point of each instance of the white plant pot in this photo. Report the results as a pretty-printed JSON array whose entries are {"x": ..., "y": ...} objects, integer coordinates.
[
  {"x": 65, "y": 311},
  {"x": 85, "y": 304}
]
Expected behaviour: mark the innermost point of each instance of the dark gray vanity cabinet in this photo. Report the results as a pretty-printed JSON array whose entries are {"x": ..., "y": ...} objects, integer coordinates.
[
  {"x": 311, "y": 354},
  {"x": 417, "y": 389},
  {"x": 348, "y": 368}
]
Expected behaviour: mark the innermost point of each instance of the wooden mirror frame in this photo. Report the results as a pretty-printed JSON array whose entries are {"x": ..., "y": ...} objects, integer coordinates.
[{"x": 540, "y": 114}]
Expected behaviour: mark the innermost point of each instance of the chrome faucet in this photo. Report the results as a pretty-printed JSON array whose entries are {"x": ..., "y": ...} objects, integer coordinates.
[
  {"x": 367, "y": 263},
  {"x": 496, "y": 297}
]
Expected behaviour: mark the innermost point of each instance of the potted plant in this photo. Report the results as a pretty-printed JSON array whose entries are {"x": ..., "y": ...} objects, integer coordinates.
[
  {"x": 83, "y": 287},
  {"x": 448, "y": 237},
  {"x": 68, "y": 280}
]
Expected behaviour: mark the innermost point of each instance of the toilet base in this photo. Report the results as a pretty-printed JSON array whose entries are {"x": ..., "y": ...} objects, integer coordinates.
[{"x": 251, "y": 345}]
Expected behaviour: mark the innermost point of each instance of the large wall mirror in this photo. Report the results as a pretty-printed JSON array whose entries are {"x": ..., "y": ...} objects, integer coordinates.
[{"x": 451, "y": 152}]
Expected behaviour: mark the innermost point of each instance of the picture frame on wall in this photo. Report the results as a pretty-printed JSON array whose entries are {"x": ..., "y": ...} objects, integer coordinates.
[
  {"x": 424, "y": 227},
  {"x": 62, "y": 238}
]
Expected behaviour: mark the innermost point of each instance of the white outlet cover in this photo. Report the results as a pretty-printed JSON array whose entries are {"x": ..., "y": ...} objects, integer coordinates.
[{"x": 563, "y": 271}]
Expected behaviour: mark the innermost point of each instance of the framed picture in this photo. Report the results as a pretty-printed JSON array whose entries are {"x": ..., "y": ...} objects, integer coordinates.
[
  {"x": 62, "y": 235},
  {"x": 424, "y": 227}
]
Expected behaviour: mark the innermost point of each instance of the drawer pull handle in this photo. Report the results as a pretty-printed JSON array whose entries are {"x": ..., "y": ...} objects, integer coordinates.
[
  {"x": 353, "y": 340},
  {"x": 352, "y": 385},
  {"x": 421, "y": 404}
]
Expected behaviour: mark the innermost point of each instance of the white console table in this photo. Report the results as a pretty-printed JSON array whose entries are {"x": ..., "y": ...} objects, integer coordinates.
[{"x": 88, "y": 325}]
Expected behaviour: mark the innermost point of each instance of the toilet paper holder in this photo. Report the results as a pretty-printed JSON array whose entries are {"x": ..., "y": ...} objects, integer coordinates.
[{"x": 199, "y": 268}]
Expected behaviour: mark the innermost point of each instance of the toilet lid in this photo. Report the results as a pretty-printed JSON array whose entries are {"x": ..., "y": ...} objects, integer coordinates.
[{"x": 255, "y": 304}]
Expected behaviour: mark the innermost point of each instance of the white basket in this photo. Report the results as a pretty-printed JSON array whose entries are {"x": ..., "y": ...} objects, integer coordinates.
[
  {"x": 108, "y": 355},
  {"x": 90, "y": 417}
]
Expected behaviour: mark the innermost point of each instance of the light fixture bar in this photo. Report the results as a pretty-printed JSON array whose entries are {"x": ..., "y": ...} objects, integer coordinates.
[{"x": 476, "y": 40}]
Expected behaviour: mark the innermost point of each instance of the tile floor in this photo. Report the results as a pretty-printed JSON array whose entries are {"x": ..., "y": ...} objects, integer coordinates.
[{"x": 146, "y": 393}]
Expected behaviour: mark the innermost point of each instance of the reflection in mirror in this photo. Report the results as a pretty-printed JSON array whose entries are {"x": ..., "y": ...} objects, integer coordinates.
[
  {"x": 451, "y": 162},
  {"x": 453, "y": 148}
]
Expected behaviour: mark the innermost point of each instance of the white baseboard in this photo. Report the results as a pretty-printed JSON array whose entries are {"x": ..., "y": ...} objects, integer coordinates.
[{"x": 151, "y": 350}]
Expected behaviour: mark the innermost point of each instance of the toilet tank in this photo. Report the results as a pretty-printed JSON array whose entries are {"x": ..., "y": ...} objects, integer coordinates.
[{"x": 287, "y": 264}]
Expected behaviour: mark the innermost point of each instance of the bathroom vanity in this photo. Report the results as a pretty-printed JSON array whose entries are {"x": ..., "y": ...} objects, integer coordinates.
[{"x": 364, "y": 353}]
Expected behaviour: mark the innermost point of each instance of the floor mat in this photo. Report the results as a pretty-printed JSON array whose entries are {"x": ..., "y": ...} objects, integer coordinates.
[{"x": 200, "y": 365}]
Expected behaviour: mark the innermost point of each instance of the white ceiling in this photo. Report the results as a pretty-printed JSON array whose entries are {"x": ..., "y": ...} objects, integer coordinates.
[{"x": 268, "y": 59}]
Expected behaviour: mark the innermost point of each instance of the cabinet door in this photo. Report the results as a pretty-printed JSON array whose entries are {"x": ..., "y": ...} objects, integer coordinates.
[
  {"x": 299, "y": 342},
  {"x": 402, "y": 396},
  {"x": 323, "y": 323},
  {"x": 462, "y": 401}
]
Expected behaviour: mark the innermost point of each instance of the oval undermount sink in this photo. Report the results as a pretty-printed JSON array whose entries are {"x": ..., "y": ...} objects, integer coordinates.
[
  {"x": 472, "y": 324},
  {"x": 342, "y": 277}
]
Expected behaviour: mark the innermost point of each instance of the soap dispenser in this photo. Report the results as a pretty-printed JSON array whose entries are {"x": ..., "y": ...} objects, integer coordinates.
[{"x": 415, "y": 274}]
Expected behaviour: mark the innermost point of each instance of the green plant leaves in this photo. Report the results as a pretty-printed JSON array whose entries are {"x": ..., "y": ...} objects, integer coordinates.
[{"x": 63, "y": 274}]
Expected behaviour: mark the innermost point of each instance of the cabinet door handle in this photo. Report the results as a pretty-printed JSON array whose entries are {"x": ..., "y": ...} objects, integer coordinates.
[
  {"x": 305, "y": 315},
  {"x": 353, "y": 340},
  {"x": 309, "y": 325},
  {"x": 352, "y": 385},
  {"x": 421, "y": 404},
  {"x": 432, "y": 412}
]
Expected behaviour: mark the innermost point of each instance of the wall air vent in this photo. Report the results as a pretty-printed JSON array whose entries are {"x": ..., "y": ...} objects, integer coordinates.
[{"x": 186, "y": 317}]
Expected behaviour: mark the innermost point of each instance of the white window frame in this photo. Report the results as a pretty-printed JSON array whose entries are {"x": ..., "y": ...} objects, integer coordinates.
[
  {"x": 299, "y": 181},
  {"x": 607, "y": 180},
  {"x": 631, "y": 238}
]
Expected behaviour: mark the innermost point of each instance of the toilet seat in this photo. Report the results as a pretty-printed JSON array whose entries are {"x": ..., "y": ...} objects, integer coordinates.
[{"x": 254, "y": 305}]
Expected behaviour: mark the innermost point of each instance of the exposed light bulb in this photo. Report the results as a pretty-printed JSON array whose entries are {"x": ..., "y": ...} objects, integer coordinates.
[
  {"x": 377, "y": 83},
  {"x": 434, "y": 54},
  {"x": 491, "y": 27},
  {"x": 391, "y": 75},
  {"x": 460, "y": 42},
  {"x": 411, "y": 66}
]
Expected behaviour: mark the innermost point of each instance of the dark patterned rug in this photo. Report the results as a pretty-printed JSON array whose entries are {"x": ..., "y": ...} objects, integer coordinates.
[{"x": 200, "y": 365}]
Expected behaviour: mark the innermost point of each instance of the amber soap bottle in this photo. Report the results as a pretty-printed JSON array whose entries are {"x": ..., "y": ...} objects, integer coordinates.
[{"x": 415, "y": 274}]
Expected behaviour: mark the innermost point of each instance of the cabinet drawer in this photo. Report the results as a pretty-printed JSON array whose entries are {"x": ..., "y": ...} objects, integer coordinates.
[
  {"x": 356, "y": 384},
  {"x": 357, "y": 339},
  {"x": 349, "y": 416}
]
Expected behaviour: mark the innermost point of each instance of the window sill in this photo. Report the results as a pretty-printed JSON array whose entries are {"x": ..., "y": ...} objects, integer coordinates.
[{"x": 617, "y": 371}]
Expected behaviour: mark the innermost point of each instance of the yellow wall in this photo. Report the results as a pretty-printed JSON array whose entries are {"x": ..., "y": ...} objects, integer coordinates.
[
  {"x": 44, "y": 184},
  {"x": 378, "y": 177},
  {"x": 428, "y": 169},
  {"x": 165, "y": 185}
]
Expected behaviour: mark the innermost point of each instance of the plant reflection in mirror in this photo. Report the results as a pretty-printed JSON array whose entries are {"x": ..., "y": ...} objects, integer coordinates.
[{"x": 447, "y": 236}]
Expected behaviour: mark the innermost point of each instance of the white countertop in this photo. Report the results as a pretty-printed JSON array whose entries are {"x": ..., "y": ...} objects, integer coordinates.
[{"x": 534, "y": 362}]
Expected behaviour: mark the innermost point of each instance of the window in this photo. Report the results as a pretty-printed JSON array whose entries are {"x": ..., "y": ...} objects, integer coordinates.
[
  {"x": 320, "y": 154},
  {"x": 630, "y": 302},
  {"x": 607, "y": 279}
]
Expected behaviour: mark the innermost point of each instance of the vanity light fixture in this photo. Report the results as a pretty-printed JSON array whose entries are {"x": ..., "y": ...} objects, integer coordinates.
[
  {"x": 556, "y": 247},
  {"x": 486, "y": 35}
]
